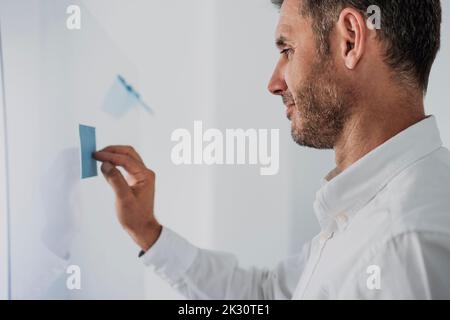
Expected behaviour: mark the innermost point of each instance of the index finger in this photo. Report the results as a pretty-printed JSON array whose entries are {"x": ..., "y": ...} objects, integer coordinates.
[
  {"x": 125, "y": 150},
  {"x": 130, "y": 164}
]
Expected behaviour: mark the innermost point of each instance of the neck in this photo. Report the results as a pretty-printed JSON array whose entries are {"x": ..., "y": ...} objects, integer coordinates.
[{"x": 365, "y": 132}]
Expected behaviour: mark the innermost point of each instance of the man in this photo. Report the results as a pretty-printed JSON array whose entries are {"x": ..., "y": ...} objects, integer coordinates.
[{"x": 384, "y": 210}]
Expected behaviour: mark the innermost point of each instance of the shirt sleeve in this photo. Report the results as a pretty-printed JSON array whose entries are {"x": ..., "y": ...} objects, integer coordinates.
[
  {"x": 411, "y": 266},
  {"x": 204, "y": 274}
]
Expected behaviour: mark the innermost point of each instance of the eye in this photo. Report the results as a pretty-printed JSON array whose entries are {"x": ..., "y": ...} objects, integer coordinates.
[{"x": 286, "y": 52}]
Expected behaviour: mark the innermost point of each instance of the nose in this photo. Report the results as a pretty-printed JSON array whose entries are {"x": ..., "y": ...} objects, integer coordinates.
[{"x": 277, "y": 84}]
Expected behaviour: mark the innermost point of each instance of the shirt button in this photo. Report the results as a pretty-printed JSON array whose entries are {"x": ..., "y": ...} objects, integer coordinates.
[{"x": 342, "y": 219}]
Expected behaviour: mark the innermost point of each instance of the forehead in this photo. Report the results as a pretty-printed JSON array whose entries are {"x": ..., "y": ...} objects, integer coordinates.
[{"x": 290, "y": 20}]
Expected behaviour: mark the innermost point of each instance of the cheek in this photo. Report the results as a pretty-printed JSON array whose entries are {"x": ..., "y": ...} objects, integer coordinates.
[
  {"x": 296, "y": 71},
  {"x": 292, "y": 77}
]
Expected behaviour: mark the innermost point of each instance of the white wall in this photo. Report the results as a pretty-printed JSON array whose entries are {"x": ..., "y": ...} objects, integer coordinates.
[
  {"x": 438, "y": 98},
  {"x": 256, "y": 210}
]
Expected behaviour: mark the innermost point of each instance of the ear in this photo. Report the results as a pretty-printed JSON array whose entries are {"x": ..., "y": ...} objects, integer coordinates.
[{"x": 351, "y": 28}]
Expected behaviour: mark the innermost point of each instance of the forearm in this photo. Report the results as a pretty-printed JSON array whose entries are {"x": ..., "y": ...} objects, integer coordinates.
[{"x": 205, "y": 274}]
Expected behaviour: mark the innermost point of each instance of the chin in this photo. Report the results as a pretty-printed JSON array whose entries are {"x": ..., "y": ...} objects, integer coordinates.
[{"x": 297, "y": 123}]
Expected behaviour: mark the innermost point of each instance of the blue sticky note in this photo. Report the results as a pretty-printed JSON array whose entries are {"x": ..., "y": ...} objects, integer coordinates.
[{"x": 88, "y": 147}]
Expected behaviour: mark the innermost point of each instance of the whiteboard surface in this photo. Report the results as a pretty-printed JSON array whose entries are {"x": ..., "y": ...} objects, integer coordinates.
[{"x": 55, "y": 80}]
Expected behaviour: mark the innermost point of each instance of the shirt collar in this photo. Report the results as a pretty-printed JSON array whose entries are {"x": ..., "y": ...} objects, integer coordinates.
[{"x": 342, "y": 195}]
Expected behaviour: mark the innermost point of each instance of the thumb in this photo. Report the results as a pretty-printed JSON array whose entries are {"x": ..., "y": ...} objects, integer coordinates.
[{"x": 116, "y": 180}]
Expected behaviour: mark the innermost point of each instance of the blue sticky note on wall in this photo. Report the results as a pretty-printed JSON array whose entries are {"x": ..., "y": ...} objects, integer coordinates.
[{"x": 88, "y": 147}]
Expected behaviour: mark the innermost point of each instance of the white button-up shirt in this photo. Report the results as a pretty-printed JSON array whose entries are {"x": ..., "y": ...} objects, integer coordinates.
[{"x": 385, "y": 225}]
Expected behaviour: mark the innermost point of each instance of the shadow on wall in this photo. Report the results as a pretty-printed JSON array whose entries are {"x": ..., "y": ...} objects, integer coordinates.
[{"x": 57, "y": 198}]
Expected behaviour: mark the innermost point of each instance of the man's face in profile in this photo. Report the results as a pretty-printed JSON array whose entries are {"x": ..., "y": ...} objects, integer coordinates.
[{"x": 317, "y": 98}]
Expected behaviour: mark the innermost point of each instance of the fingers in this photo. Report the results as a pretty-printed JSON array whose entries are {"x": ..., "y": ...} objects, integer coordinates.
[
  {"x": 125, "y": 150},
  {"x": 130, "y": 164},
  {"x": 117, "y": 181}
]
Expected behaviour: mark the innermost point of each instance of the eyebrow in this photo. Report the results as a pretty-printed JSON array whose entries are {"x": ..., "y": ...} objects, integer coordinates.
[{"x": 281, "y": 42}]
